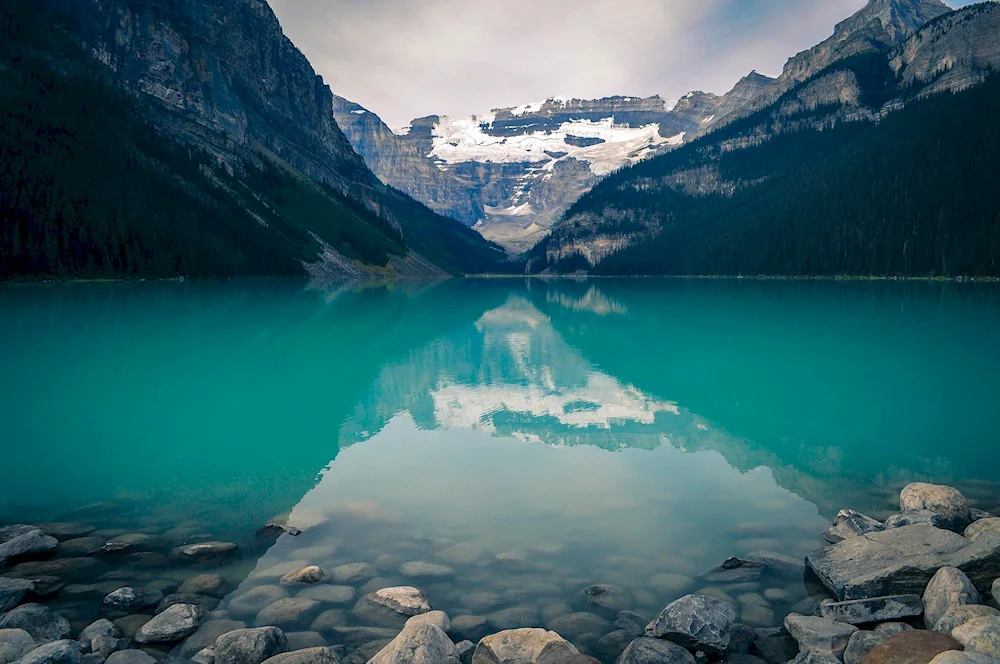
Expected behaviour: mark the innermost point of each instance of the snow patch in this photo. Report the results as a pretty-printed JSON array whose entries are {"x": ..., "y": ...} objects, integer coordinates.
[
  {"x": 708, "y": 119},
  {"x": 402, "y": 131},
  {"x": 512, "y": 211},
  {"x": 359, "y": 111}
]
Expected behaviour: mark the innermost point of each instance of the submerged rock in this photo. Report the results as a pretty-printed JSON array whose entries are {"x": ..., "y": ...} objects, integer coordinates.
[
  {"x": 310, "y": 574},
  {"x": 696, "y": 622},
  {"x": 605, "y": 599},
  {"x": 290, "y": 613},
  {"x": 517, "y": 617},
  {"x": 207, "y": 634},
  {"x": 422, "y": 570},
  {"x": 872, "y": 610},
  {"x": 912, "y": 647},
  {"x": 130, "y": 600},
  {"x": 774, "y": 645},
  {"x": 212, "y": 585},
  {"x": 207, "y": 604},
  {"x": 43, "y": 624},
  {"x": 130, "y": 657},
  {"x": 254, "y": 600},
  {"x": 57, "y": 652},
  {"x": 25, "y": 543},
  {"x": 944, "y": 500},
  {"x": 203, "y": 552},
  {"x": 574, "y": 625},
  {"x": 329, "y": 594},
  {"x": 353, "y": 573},
  {"x": 101, "y": 637},
  {"x": 948, "y": 588},
  {"x": 469, "y": 628},
  {"x": 734, "y": 571},
  {"x": 850, "y": 523},
  {"x": 15, "y": 644},
  {"x": 173, "y": 625},
  {"x": 654, "y": 651},
  {"x": 12, "y": 591}
]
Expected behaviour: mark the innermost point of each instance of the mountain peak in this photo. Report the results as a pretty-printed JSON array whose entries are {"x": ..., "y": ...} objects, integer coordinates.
[{"x": 899, "y": 18}]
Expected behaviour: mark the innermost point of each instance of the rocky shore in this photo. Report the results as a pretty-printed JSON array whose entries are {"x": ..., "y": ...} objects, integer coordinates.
[{"x": 921, "y": 586}]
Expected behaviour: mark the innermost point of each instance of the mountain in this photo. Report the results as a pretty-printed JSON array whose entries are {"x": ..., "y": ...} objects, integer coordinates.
[
  {"x": 513, "y": 172},
  {"x": 164, "y": 138},
  {"x": 860, "y": 166}
]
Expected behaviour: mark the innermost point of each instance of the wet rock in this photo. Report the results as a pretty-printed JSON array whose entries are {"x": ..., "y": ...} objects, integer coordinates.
[
  {"x": 355, "y": 636},
  {"x": 572, "y": 626},
  {"x": 57, "y": 652},
  {"x": 523, "y": 646},
  {"x": 129, "y": 626},
  {"x": 130, "y": 657},
  {"x": 204, "y": 656},
  {"x": 850, "y": 523},
  {"x": 81, "y": 546},
  {"x": 15, "y": 644},
  {"x": 862, "y": 643},
  {"x": 464, "y": 650},
  {"x": 366, "y": 651},
  {"x": 25, "y": 543},
  {"x": 328, "y": 594},
  {"x": 820, "y": 635},
  {"x": 956, "y": 657},
  {"x": 957, "y": 616},
  {"x": 100, "y": 637},
  {"x": 45, "y": 586},
  {"x": 780, "y": 565},
  {"x": 303, "y": 640},
  {"x": 913, "y": 647},
  {"x": 469, "y": 628},
  {"x": 327, "y": 621},
  {"x": 735, "y": 570},
  {"x": 43, "y": 624},
  {"x": 132, "y": 600},
  {"x": 872, "y": 610},
  {"x": 211, "y": 585},
  {"x": 613, "y": 644},
  {"x": 517, "y": 617},
  {"x": 463, "y": 553},
  {"x": 64, "y": 567},
  {"x": 981, "y": 635},
  {"x": 696, "y": 622},
  {"x": 655, "y": 651},
  {"x": 995, "y": 591},
  {"x": 289, "y": 614},
  {"x": 757, "y": 615},
  {"x": 917, "y": 518},
  {"x": 254, "y": 600},
  {"x": 203, "y": 552},
  {"x": 207, "y": 604},
  {"x": 406, "y": 601},
  {"x": 741, "y": 638},
  {"x": 948, "y": 588},
  {"x": 814, "y": 658},
  {"x": 631, "y": 622},
  {"x": 604, "y": 599},
  {"x": 670, "y": 584},
  {"x": 422, "y": 570},
  {"x": 317, "y": 655},
  {"x": 982, "y": 528},
  {"x": 480, "y": 601},
  {"x": 173, "y": 625},
  {"x": 207, "y": 633},
  {"x": 944, "y": 500},
  {"x": 130, "y": 542},
  {"x": 12, "y": 591},
  {"x": 352, "y": 573},
  {"x": 66, "y": 531},
  {"x": 310, "y": 574},
  {"x": 250, "y": 646}
]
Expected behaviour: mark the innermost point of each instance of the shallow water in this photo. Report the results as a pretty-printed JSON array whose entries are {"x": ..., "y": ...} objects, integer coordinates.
[{"x": 633, "y": 432}]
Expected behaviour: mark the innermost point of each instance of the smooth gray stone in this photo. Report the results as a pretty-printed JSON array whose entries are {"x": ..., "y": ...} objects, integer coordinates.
[
  {"x": 7, "y": 533},
  {"x": 132, "y": 600},
  {"x": 173, "y": 625},
  {"x": 696, "y": 622},
  {"x": 203, "y": 551},
  {"x": 957, "y": 616},
  {"x": 774, "y": 645},
  {"x": 15, "y": 644},
  {"x": 81, "y": 546},
  {"x": 989, "y": 527},
  {"x": 254, "y": 600},
  {"x": 860, "y": 644},
  {"x": 779, "y": 564},
  {"x": 130, "y": 657},
  {"x": 966, "y": 657},
  {"x": 815, "y": 658},
  {"x": 25, "y": 544},
  {"x": 420, "y": 643},
  {"x": 250, "y": 646},
  {"x": 317, "y": 655},
  {"x": 820, "y": 635},
  {"x": 522, "y": 646},
  {"x": 352, "y": 573},
  {"x": 465, "y": 650},
  {"x": 291, "y": 613},
  {"x": 355, "y": 636},
  {"x": 303, "y": 640},
  {"x": 391, "y": 607},
  {"x": 875, "y": 609},
  {"x": 41, "y": 622},
  {"x": 613, "y": 644},
  {"x": 514, "y": 618},
  {"x": 204, "y": 656},
  {"x": 655, "y": 651},
  {"x": 944, "y": 500},
  {"x": 439, "y": 619},
  {"x": 995, "y": 591},
  {"x": 366, "y": 651},
  {"x": 850, "y": 523},
  {"x": 207, "y": 633},
  {"x": 211, "y": 585},
  {"x": 948, "y": 588},
  {"x": 604, "y": 599},
  {"x": 12, "y": 591},
  {"x": 631, "y": 622},
  {"x": 328, "y": 594},
  {"x": 105, "y": 634},
  {"x": 469, "y": 628},
  {"x": 916, "y": 518},
  {"x": 57, "y": 652},
  {"x": 424, "y": 570},
  {"x": 66, "y": 531},
  {"x": 980, "y": 635},
  {"x": 207, "y": 604}
]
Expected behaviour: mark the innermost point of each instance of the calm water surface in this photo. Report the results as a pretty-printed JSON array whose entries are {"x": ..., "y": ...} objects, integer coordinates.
[{"x": 632, "y": 432}]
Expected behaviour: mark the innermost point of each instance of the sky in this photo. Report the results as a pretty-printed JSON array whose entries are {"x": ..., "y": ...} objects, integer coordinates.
[{"x": 404, "y": 59}]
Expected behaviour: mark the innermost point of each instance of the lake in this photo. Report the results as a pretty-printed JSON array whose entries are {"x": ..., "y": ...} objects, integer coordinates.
[{"x": 522, "y": 439}]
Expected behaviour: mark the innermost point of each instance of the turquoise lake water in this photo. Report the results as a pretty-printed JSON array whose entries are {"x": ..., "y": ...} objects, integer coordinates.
[{"x": 634, "y": 432}]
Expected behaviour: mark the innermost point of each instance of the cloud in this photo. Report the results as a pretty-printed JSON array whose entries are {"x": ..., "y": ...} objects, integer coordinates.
[{"x": 409, "y": 58}]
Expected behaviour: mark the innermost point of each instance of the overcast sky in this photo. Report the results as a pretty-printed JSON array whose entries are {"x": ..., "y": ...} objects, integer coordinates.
[{"x": 410, "y": 58}]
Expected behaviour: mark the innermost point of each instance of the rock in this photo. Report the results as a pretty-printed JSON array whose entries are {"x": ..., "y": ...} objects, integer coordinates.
[
  {"x": 741, "y": 638},
  {"x": 902, "y": 561},
  {"x": 956, "y": 657},
  {"x": 604, "y": 599},
  {"x": 913, "y": 647},
  {"x": 15, "y": 644},
  {"x": 523, "y": 646},
  {"x": 130, "y": 600},
  {"x": 290, "y": 613},
  {"x": 203, "y": 552},
  {"x": 420, "y": 643},
  {"x": 995, "y": 591},
  {"x": 100, "y": 637},
  {"x": 654, "y": 651},
  {"x": 518, "y": 617},
  {"x": 613, "y": 644},
  {"x": 948, "y": 588},
  {"x": 207, "y": 604},
  {"x": 250, "y": 646},
  {"x": 254, "y": 600},
  {"x": 12, "y": 591},
  {"x": 353, "y": 573},
  {"x": 814, "y": 658},
  {"x": 875, "y": 609},
  {"x": 670, "y": 584},
  {"x": 146, "y": 560},
  {"x": 129, "y": 626},
  {"x": 468, "y": 628},
  {"x": 735, "y": 570},
  {"x": 849, "y": 523},
  {"x": 130, "y": 657},
  {"x": 355, "y": 636},
  {"x": 404, "y": 600},
  {"x": 959, "y": 615},
  {"x": 57, "y": 652},
  {"x": 439, "y": 619},
  {"x": 39, "y": 621},
  {"x": 779, "y": 564},
  {"x": 311, "y": 574},
  {"x": 820, "y": 635},
  {"x": 66, "y": 531},
  {"x": 917, "y": 518},
  {"x": 480, "y": 601},
  {"x": 422, "y": 570},
  {"x": 572, "y": 626},
  {"x": 130, "y": 542},
  {"x": 212, "y": 585},
  {"x": 774, "y": 645},
  {"x": 173, "y": 625},
  {"x": 303, "y": 640},
  {"x": 26, "y": 543},
  {"x": 631, "y": 622},
  {"x": 204, "y": 656},
  {"x": 982, "y": 528},
  {"x": 207, "y": 633},
  {"x": 696, "y": 622},
  {"x": 81, "y": 546},
  {"x": 981, "y": 635},
  {"x": 317, "y": 655},
  {"x": 757, "y": 615},
  {"x": 943, "y": 500},
  {"x": 327, "y": 621},
  {"x": 463, "y": 553},
  {"x": 464, "y": 650},
  {"x": 978, "y": 514},
  {"x": 328, "y": 594},
  {"x": 860, "y": 644}
]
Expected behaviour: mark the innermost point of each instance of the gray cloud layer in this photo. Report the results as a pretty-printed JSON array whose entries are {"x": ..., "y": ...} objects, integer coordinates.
[{"x": 409, "y": 58}]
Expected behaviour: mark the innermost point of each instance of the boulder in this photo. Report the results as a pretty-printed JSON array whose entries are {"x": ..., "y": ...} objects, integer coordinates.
[
  {"x": 959, "y": 615},
  {"x": 328, "y": 594},
  {"x": 81, "y": 546},
  {"x": 66, "y": 531},
  {"x": 290, "y": 613},
  {"x": 696, "y": 622},
  {"x": 173, "y": 625},
  {"x": 204, "y": 656},
  {"x": 780, "y": 565},
  {"x": 25, "y": 543},
  {"x": 41, "y": 622},
  {"x": 303, "y": 640},
  {"x": 980, "y": 635},
  {"x": 912, "y": 647},
  {"x": 352, "y": 573},
  {"x": 469, "y": 628},
  {"x": 902, "y": 561},
  {"x": 612, "y": 644},
  {"x": 250, "y": 646},
  {"x": 735, "y": 570},
  {"x": 522, "y": 646},
  {"x": 207, "y": 633},
  {"x": 863, "y": 642},
  {"x": 517, "y": 617},
  {"x": 391, "y": 606},
  {"x": 464, "y": 650},
  {"x": 820, "y": 635},
  {"x": 208, "y": 604},
  {"x": 12, "y": 591},
  {"x": 130, "y": 625},
  {"x": 310, "y": 574},
  {"x": 254, "y": 600},
  {"x": 982, "y": 528},
  {"x": 212, "y": 585},
  {"x": 15, "y": 644},
  {"x": 129, "y": 542},
  {"x": 604, "y": 599},
  {"x": 437, "y": 618},
  {"x": 654, "y": 651},
  {"x": 422, "y": 570},
  {"x": 966, "y": 657},
  {"x": 57, "y": 652},
  {"x": 774, "y": 645},
  {"x": 355, "y": 636},
  {"x": 632, "y": 622},
  {"x": 916, "y": 518},
  {"x": 100, "y": 637},
  {"x": 943, "y": 500},
  {"x": 948, "y": 588},
  {"x": 419, "y": 643},
  {"x": 132, "y": 600},
  {"x": 317, "y": 655},
  {"x": 574, "y": 625},
  {"x": 849, "y": 523},
  {"x": 203, "y": 552},
  {"x": 130, "y": 657},
  {"x": 875, "y": 609}
]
